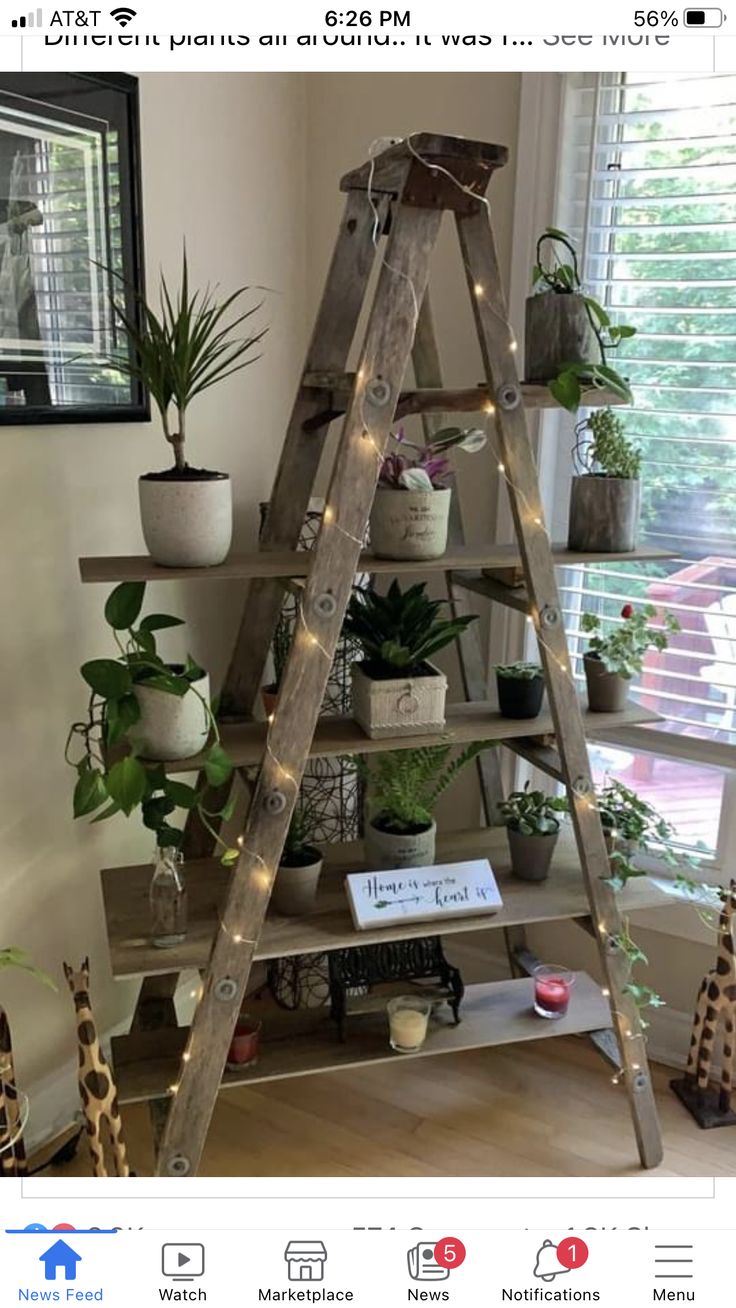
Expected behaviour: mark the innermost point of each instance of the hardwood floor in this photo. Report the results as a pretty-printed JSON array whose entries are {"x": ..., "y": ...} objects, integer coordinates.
[{"x": 524, "y": 1110}]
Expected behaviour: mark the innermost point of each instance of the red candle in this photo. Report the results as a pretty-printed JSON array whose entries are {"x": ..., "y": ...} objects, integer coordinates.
[
  {"x": 245, "y": 1043},
  {"x": 552, "y": 991}
]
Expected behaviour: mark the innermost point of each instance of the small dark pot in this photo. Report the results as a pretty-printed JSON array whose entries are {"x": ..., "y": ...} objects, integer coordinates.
[
  {"x": 520, "y": 697},
  {"x": 558, "y": 331},
  {"x": 604, "y": 514},
  {"x": 270, "y": 697},
  {"x": 531, "y": 855},
  {"x": 607, "y": 691}
]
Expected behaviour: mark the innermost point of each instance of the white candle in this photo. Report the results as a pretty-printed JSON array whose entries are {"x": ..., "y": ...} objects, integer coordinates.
[{"x": 408, "y": 1025}]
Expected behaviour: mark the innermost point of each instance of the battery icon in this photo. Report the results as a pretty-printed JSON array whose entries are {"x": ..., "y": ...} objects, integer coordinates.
[{"x": 703, "y": 17}]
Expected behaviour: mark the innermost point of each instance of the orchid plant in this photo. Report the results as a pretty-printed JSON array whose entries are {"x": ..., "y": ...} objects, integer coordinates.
[{"x": 426, "y": 467}]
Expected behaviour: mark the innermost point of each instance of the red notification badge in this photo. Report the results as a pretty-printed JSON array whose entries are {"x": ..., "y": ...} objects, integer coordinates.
[
  {"x": 572, "y": 1252},
  {"x": 449, "y": 1252}
]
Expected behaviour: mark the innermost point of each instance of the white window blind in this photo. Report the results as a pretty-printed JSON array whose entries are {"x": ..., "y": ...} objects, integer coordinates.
[{"x": 649, "y": 175}]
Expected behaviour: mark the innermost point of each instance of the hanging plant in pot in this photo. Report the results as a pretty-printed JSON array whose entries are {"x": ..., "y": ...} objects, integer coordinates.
[
  {"x": 532, "y": 827},
  {"x": 295, "y": 887},
  {"x": 605, "y": 500},
  {"x": 402, "y": 789},
  {"x": 612, "y": 660},
  {"x": 184, "y": 350},
  {"x": 569, "y": 334},
  {"x": 395, "y": 690},
  {"x": 142, "y": 712},
  {"x": 520, "y": 689},
  {"x": 411, "y": 508}
]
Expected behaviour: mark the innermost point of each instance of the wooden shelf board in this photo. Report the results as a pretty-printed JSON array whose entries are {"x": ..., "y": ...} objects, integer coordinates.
[
  {"x": 245, "y": 741},
  {"x": 330, "y": 925},
  {"x": 500, "y": 1013},
  {"x": 297, "y": 563},
  {"x": 337, "y": 389}
]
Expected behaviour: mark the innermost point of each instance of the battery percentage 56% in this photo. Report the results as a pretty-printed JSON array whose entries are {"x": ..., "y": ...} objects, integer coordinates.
[{"x": 656, "y": 18}]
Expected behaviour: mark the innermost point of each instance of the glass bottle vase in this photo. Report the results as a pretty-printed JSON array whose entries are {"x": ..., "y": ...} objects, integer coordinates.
[{"x": 168, "y": 899}]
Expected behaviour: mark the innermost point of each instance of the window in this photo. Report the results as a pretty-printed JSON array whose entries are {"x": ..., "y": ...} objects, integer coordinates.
[{"x": 649, "y": 191}]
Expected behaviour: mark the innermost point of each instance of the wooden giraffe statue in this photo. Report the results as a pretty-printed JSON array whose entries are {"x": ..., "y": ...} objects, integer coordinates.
[
  {"x": 96, "y": 1084},
  {"x": 12, "y": 1156},
  {"x": 716, "y": 1005}
]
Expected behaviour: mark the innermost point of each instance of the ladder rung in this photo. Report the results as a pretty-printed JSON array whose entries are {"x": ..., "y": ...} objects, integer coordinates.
[
  {"x": 514, "y": 597},
  {"x": 542, "y": 757}
]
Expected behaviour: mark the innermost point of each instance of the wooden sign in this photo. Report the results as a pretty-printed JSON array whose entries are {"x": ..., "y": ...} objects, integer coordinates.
[{"x": 418, "y": 894}]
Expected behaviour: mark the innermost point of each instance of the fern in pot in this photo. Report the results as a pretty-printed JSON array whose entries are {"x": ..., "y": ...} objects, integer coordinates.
[
  {"x": 411, "y": 508},
  {"x": 616, "y": 655},
  {"x": 605, "y": 499},
  {"x": 191, "y": 344},
  {"x": 520, "y": 689},
  {"x": 402, "y": 789},
  {"x": 532, "y": 826},
  {"x": 396, "y": 691}
]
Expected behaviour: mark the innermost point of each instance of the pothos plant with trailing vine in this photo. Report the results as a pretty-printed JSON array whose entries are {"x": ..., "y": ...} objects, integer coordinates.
[
  {"x": 111, "y": 776},
  {"x": 561, "y": 276}
]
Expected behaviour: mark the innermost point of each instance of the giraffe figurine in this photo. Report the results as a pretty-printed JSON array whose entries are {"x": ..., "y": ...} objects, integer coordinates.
[
  {"x": 12, "y": 1155},
  {"x": 716, "y": 1005},
  {"x": 96, "y": 1084}
]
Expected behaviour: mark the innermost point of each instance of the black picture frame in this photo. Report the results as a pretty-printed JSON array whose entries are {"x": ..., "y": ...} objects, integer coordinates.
[{"x": 70, "y": 166}]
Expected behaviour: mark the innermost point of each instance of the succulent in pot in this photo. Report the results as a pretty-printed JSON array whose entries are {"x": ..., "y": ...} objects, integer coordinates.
[
  {"x": 411, "y": 508},
  {"x": 568, "y": 333},
  {"x": 396, "y": 690},
  {"x": 612, "y": 659},
  {"x": 402, "y": 788},
  {"x": 190, "y": 345},
  {"x": 532, "y": 827},
  {"x": 300, "y": 865},
  {"x": 520, "y": 689},
  {"x": 143, "y": 711},
  {"x": 605, "y": 500}
]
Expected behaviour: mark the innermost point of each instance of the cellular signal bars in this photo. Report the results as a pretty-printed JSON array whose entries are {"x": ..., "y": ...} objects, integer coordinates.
[{"x": 32, "y": 20}]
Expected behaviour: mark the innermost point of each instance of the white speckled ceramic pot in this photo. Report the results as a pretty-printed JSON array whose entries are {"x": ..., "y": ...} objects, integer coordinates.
[
  {"x": 187, "y": 522},
  {"x": 172, "y": 726}
]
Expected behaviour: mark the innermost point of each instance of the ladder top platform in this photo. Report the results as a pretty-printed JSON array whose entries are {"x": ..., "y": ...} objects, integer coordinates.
[{"x": 407, "y": 166}]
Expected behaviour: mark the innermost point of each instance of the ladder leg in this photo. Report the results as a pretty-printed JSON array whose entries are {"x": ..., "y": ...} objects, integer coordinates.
[
  {"x": 382, "y": 365},
  {"x": 478, "y": 250},
  {"x": 428, "y": 373}
]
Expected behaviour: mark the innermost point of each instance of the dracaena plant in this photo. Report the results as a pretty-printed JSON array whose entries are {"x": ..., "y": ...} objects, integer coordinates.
[
  {"x": 623, "y": 647},
  {"x": 559, "y": 274},
  {"x": 403, "y": 785},
  {"x": 111, "y": 777},
  {"x": 532, "y": 813},
  {"x": 426, "y": 467},
  {"x": 399, "y": 631},
  {"x": 189, "y": 344}
]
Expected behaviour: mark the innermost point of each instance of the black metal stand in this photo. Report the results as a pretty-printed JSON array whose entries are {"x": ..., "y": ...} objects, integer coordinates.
[{"x": 367, "y": 966}]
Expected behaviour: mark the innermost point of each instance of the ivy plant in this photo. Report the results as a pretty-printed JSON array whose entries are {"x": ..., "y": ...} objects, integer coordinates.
[
  {"x": 623, "y": 647},
  {"x": 111, "y": 776}
]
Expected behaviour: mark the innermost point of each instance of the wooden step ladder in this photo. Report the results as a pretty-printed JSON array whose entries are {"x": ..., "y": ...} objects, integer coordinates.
[{"x": 400, "y": 199}]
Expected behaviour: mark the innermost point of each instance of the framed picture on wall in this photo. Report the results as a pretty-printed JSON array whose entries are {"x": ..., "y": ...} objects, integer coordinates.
[{"x": 71, "y": 247}]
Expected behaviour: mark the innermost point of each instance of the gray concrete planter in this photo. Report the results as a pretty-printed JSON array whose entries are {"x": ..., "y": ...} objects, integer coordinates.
[
  {"x": 604, "y": 514},
  {"x": 558, "y": 331},
  {"x": 295, "y": 887},
  {"x": 409, "y": 524},
  {"x": 531, "y": 855},
  {"x": 387, "y": 849},
  {"x": 607, "y": 691}
]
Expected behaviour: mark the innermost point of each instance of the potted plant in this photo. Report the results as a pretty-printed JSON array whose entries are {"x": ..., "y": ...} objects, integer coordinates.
[
  {"x": 178, "y": 353},
  {"x": 520, "y": 689},
  {"x": 568, "y": 333},
  {"x": 295, "y": 887},
  {"x": 532, "y": 827},
  {"x": 402, "y": 789},
  {"x": 411, "y": 508},
  {"x": 612, "y": 660},
  {"x": 605, "y": 501},
  {"x": 143, "y": 711},
  {"x": 632, "y": 826},
  {"x": 396, "y": 691}
]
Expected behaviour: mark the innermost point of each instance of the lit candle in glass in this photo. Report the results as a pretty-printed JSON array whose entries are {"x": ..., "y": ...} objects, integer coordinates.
[
  {"x": 552, "y": 986},
  {"x": 408, "y": 1016}
]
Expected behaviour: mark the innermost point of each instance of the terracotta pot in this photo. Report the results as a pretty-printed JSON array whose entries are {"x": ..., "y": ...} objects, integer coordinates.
[
  {"x": 385, "y": 850},
  {"x": 171, "y": 726},
  {"x": 409, "y": 524},
  {"x": 295, "y": 887},
  {"x": 607, "y": 691},
  {"x": 520, "y": 697},
  {"x": 531, "y": 855},
  {"x": 604, "y": 514},
  {"x": 399, "y": 706},
  {"x": 270, "y": 698},
  {"x": 245, "y": 1044},
  {"x": 558, "y": 331},
  {"x": 187, "y": 521}
]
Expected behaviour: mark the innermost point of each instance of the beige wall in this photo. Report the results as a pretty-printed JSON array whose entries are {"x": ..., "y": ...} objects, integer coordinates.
[{"x": 224, "y": 163}]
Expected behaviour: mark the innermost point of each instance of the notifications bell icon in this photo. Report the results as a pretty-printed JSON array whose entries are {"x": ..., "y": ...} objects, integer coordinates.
[{"x": 548, "y": 1265}]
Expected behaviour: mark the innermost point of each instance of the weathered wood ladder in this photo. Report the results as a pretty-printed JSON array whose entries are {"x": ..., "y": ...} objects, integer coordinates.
[{"x": 401, "y": 196}]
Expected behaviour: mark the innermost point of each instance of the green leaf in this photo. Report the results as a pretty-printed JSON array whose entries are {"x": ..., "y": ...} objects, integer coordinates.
[
  {"x": 89, "y": 792},
  {"x": 167, "y": 682},
  {"x": 156, "y": 811},
  {"x": 230, "y": 857},
  {"x": 108, "y": 679},
  {"x": 160, "y": 621},
  {"x": 566, "y": 390},
  {"x": 121, "y": 715},
  {"x": 108, "y": 812},
  {"x": 127, "y": 783},
  {"x": 145, "y": 640},
  {"x": 217, "y": 766},
  {"x": 169, "y": 837},
  {"x": 183, "y": 796},
  {"x": 124, "y": 604},
  {"x": 192, "y": 670}
]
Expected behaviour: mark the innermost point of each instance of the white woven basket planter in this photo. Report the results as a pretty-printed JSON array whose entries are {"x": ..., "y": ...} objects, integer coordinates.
[{"x": 404, "y": 706}]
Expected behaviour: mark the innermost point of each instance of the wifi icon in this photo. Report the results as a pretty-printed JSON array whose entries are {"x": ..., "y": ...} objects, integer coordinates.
[{"x": 123, "y": 16}]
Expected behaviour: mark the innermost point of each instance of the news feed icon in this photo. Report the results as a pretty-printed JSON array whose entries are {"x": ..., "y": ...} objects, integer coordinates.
[{"x": 423, "y": 1265}]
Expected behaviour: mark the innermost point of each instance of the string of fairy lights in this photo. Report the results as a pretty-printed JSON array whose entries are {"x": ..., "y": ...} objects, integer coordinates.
[{"x": 533, "y": 514}]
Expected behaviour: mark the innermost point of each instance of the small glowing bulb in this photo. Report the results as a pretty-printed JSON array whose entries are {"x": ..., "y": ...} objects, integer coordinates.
[
  {"x": 605, "y": 993},
  {"x": 241, "y": 841},
  {"x": 185, "y": 1056},
  {"x": 501, "y": 467},
  {"x": 312, "y": 638},
  {"x": 271, "y": 719},
  {"x": 193, "y": 994},
  {"x": 514, "y": 346},
  {"x": 329, "y": 514},
  {"x": 238, "y": 939},
  {"x": 537, "y": 522},
  {"x": 602, "y": 928},
  {"x": 173, "y": 1089},
  {"x": 490, "y": 408},
  {"x": 478, "y": 289},
  {"x": 636, "y": 1067}
]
